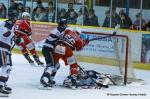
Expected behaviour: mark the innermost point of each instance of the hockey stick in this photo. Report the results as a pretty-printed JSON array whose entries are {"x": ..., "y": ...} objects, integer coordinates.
[
  {"x": 113, "y": 82},
  {"x": 98, "y": 84},
  {"x": 113, "y": 34},
  {"x": 13, "y": 46},
  {"x": 13, "y": 40}
]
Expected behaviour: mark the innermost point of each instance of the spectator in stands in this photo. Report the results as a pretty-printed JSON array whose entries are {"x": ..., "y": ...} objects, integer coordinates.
[
  {"x": 81, "y": 17},
  {"x": 38, "y": 5},
  {"x": 71, "y": 8},
  {"x": 3, "y": 11},
  {"x": 72, "y": 19},
  {"x": 85, "y": 10},
  {"x": 39, "y": 15},
  {"x": 121, "y": 11},
  {"x": 13, "y": 9},
  {"x": 106, "y": 22},
  {"x": 28, "y": 9},
  {"x": 62, "y": 14},
  {"x": 92, "y": 19},
  {"x": 20, "y": 10},
  {"x": 148, "y": 25},
  {"x": 125, "y": 22},
  {"x": 137, "y": 22},
  {"x": 50, "y": 13},
  {"x": 115, "y": 18}
]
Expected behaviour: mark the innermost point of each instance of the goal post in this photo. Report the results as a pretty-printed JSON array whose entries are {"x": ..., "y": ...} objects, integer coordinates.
[{"x": 112, "y": 53}]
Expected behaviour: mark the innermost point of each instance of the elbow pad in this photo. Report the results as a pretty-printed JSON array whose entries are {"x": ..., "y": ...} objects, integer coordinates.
[{"x": 7, "y": 34}]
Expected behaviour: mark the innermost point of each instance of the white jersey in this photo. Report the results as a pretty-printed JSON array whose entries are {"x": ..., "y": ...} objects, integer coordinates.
[
  {"x": 52, "y": 38},
  {"x": 3, "y": 30}
]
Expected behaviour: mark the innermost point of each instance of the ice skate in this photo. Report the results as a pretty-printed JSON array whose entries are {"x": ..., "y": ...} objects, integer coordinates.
[
  {"x": 46, "y": 84},
  {"x": 9, "y": 89},
  {"x": 36, "y": 58},
  {"x": 30, "y": 61},
  {"x": 40, "y": 63},
  {"x": 4, "y": 92}
]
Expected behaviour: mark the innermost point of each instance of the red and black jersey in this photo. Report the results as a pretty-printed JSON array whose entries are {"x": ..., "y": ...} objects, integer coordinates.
[
  {"x": 22, "y": 27},
  {"x": 73, "y": 40}
]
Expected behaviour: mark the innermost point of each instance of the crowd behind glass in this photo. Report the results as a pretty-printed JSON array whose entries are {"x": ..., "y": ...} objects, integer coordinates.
[{"x": 89, "y": 18}]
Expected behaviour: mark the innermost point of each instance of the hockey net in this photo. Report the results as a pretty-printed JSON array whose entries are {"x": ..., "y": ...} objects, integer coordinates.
[{"x": 110, "y": 55}]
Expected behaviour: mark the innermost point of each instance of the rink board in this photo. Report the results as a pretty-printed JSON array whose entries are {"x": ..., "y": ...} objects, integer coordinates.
[{"x": 42, "y": 29}]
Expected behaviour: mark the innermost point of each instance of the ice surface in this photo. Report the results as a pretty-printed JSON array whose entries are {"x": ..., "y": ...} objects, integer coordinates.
[{"x": 24, "y": 80}]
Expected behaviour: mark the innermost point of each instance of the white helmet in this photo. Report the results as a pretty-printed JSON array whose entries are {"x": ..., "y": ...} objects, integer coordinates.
[{"x": 24, "y": 14}]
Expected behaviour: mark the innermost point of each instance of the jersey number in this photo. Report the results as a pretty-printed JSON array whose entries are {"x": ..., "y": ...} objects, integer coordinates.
[
  {"x": 69, "y": 38},
  {"x": 16, "y": 27}
]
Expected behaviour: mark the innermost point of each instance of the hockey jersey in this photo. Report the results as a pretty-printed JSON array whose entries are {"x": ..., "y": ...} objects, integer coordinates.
[
  {"x": 72, "y": 39},
  {"x": 22, "y": 27},
  {"x": 5, "y": 42},
  {"x": 52, "y": 38}
]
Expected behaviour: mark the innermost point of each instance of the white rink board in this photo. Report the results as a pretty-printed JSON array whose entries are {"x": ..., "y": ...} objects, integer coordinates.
[
  {"x": 136, "y": 41},
  {"x": 104, "y": 47},
  {"x": 135, "y": 36}
]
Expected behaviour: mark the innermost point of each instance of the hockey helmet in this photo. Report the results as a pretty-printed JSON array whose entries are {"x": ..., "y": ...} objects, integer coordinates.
[
  {"x": 25, "y": 14},
  {"x": 62, "y": 25},
  {"x": 62, "y": 22}
]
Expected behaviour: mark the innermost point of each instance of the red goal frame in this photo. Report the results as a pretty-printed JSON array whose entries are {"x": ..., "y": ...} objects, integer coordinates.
[{"x": 126, "y": 51}]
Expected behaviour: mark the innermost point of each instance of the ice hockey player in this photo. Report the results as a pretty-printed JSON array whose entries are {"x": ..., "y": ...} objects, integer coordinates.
[
  {"x": 84, "y": 80},
  {"x": 47, "y": 51},
  {"x": 6, "y": 35},
  {"x": 63, "y": 49},
  {"x": 23, "y": 32}
]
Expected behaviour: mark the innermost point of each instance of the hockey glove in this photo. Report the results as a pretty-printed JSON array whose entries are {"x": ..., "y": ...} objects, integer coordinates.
[
  {"x": 86, "y": 41},
  {"x": 18, "y": 40}
]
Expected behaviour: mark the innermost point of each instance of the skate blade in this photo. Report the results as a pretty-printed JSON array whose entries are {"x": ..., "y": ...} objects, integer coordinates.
[
  {"x": 44, "y": 88},
  {"x": 4, "y": 95}
]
